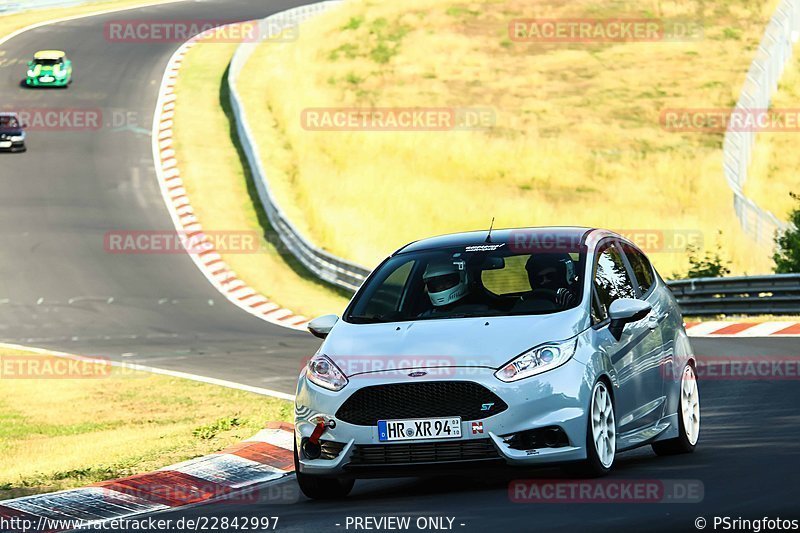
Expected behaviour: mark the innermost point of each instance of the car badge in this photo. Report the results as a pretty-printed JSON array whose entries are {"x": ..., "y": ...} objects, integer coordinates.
[
  {"x": 487, "y": 406},
  {"x": 417, "y": 374}
]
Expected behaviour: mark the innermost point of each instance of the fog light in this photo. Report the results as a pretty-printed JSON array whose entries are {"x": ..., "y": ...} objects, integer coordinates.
[{"x": 310, "y": 449}]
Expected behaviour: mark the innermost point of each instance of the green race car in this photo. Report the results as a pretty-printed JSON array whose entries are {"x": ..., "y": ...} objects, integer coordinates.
[{"x": 49, "y": 68}]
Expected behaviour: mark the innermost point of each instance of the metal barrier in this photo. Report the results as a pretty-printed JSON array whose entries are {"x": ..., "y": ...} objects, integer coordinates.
[
  {"x": 745, "y": 295},
  {"x": 774, "y": 52},
  {"x": 773, "y": 294},
  {"x": 322, "y": 264}
]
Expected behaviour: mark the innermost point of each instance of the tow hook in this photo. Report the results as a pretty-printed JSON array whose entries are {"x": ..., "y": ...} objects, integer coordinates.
[{"x": 311, "y": 447}]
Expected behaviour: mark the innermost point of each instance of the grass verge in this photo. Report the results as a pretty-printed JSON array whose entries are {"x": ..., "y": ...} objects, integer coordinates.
[
  {"x": 59, "y": 433},
  {"x": 221, "y": 188},
  {"x": 577, "y": 137}
]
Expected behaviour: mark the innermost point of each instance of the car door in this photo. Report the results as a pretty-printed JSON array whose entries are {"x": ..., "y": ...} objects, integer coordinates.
[
  {"x": 636, "y": 355},
  {"x": 652, "y": 349}
]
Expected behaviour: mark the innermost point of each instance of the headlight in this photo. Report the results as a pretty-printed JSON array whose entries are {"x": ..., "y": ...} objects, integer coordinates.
[
  {"x": 324, "y": 372},
  {"x": 31, "y": 73},
  {"x": 537, "y": 360},
  {"x": 17, "y": 138}
]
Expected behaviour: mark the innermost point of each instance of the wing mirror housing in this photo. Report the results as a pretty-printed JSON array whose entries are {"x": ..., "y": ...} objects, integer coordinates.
[
  {"x": 625, "y": 310},
  {"x": 321, "y": 326}
]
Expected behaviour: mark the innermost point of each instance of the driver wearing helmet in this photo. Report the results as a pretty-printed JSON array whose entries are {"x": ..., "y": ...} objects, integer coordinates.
[
  {"x": 447, "y": 285},
  {"x": 552, "y": 276}
]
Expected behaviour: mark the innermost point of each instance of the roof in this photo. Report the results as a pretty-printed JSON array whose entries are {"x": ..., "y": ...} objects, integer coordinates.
[
  {"x": 512, "y": 236},
  {"x": 49, "y": 54},
  {"x": 8, "y": 114}
]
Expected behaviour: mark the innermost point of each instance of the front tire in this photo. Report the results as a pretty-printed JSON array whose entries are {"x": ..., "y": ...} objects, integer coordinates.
[
  {"x": 321, "y": 488},
  {"x": 688, "y": 418},
  {"x": 601, "y": 435}
]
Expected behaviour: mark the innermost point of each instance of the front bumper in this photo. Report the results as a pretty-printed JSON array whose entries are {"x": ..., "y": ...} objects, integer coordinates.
[
  {"x": 17, "y": 146},
  {"x": 55, "y": 82},
  {"x": 558, "y": 398}
]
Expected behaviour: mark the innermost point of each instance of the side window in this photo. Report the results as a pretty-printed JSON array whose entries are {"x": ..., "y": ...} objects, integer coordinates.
[
  {"x": 611, "y": 281},
  {"x": 388, "y": 297},
  {"x": 641, "y": 268}
]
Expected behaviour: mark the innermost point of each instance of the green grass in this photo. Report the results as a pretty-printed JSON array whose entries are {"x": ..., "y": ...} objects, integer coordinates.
[
  {"x": 577, "y": 137},
  {"x": 64, "y": 433},
  {"x": 221, "y": 188}
]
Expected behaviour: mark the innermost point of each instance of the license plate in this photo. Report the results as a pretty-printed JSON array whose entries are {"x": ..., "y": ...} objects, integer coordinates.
[
  {"x": 419, "y": 429},
  {"x": 46, "y": 79},
  {"x": 5, "y": 144}
]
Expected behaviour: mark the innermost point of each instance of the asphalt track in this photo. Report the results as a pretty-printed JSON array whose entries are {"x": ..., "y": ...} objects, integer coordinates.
[{"x": 61, "y": 290}]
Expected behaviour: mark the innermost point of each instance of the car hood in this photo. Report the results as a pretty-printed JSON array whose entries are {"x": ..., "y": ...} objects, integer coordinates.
[
  {"x": 11, "y": 131},
  {"x": 455, "y": 342}
]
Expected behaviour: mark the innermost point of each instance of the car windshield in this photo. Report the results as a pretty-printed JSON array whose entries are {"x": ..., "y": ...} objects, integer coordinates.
[
  {"x": 48, "y": 62},
  {"x": 9, "y": 122},
  {"x": 469, "y": 281}
]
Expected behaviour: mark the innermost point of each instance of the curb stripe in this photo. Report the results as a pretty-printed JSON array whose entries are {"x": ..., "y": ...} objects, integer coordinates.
[
  {"x": 179, "y": 205},
  {"x": 743, "y": 329},
  {"x": 735, "y": 328},
  {"x": 230, "y": 473},
  {"x": 794, "y": 329}
]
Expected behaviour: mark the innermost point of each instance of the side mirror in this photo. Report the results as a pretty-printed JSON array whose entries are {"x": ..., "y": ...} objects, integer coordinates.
[
  {"x": 321, "y": 326},
  {"x": 625, "y": 310}
]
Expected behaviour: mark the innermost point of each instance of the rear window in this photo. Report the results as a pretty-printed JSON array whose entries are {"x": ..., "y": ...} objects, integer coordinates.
[{"x": 48, "y": 62}]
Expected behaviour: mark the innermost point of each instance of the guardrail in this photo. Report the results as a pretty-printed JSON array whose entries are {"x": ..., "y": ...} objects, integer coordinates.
[
  {"x": 324, "y": 265},
  {"x": 772, "y": 294},
  {"x": 775, "y": 294},
  {"x": 774, "y": 52}
]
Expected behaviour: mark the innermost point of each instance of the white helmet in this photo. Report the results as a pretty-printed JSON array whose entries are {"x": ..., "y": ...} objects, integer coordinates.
[{"x": 446, "y": 282}]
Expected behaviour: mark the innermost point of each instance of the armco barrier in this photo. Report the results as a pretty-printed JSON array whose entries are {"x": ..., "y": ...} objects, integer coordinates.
[
  {"x": 745, "y": 295},
  {"x": 773, "y": 54},
  {"x": 779, "y": 294},
  {"x": 324, "y": 265}
]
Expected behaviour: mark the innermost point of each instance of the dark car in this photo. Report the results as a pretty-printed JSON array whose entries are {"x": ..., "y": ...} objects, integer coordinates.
[{"x": 12, "y": 133}]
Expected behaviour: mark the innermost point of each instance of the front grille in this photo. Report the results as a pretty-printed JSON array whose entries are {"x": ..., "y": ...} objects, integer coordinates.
[
  {"x": 429, "y": 452},
  {"x": 429, "y": 399}
]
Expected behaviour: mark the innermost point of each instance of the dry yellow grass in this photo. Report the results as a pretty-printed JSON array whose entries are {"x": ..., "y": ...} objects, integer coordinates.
[
  {"x": 216, "y": 182},
  {"x": 63, "y": 433},
  {"x": 577, "y": 138},
  {"x": 774, "y": 169}
]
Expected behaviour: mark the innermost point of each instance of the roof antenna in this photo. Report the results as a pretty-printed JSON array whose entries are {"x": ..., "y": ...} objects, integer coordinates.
[{"x": 489, "y": 235}]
